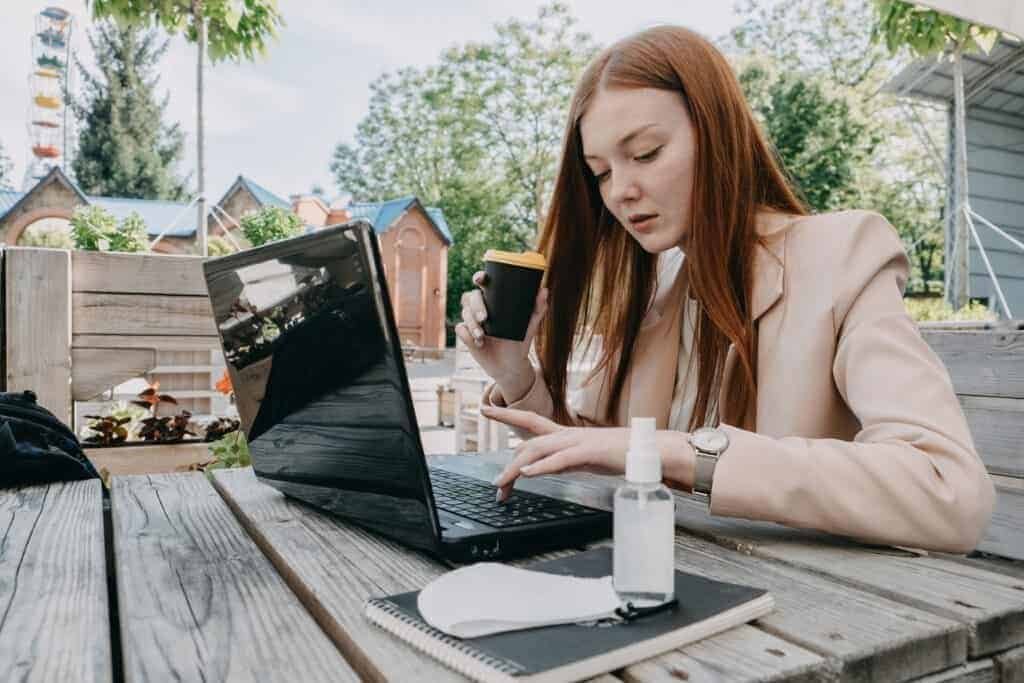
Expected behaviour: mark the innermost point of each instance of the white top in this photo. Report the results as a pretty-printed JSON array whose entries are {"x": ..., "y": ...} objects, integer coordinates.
[{"x": 684, "y": 395}]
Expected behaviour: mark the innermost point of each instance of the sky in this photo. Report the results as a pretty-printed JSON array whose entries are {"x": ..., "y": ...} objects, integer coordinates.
[{"x": 277, "y": 120}]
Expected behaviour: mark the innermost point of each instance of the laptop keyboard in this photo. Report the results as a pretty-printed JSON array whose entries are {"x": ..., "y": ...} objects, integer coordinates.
[{"x": 473, "y": 499}]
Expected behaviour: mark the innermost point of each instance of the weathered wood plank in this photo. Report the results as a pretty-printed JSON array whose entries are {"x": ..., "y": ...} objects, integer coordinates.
[
  {"x": 1012, "y": 483},
  {"x": 1010, "y": 665},
  {"x": 990, "y": 604},
  {"x": 336, "y": 567},
  {"x": 864, "y": 636},
  {"x": 197, "y": 598},
  {"x": 1005, "y": 534},
  {"x": 997, "y": 425},
  {"x": 982, "y": 363},
  {"x": 753, "y": 655},
  {"x": 981, "y": 671},
  {"x": 94, "y": 371},
  {"x": 147, "y": 341},
  {"x": 149, "y": 314},
  {"x": 151, "y": 459},
  {"x": 137, "y": 273},
  {"x": 37, "y": 332},
  {"x": 54, "y": 619}
]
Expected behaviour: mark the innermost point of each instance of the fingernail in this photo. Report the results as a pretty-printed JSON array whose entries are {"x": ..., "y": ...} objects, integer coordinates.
[
  {"x": 497, "y": 496},
  {"x": 477, "y": 332},
  {"x": 480, "y": 315},
  {"x": 478, "y": 342},
  {"x": 528, "y": 469}
]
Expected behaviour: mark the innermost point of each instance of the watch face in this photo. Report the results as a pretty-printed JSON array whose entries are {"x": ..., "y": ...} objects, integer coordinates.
[{"x": 710, "y": 440}]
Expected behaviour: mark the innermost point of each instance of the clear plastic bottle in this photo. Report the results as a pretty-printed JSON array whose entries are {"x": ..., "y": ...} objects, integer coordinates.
[{"x": 644, "y": 521}]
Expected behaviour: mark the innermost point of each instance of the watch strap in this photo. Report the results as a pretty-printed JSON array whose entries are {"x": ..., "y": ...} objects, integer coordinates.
[{"x": 704, "y": 471}]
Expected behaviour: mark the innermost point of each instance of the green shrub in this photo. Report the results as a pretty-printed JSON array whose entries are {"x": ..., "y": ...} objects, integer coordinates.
[
  {"x": 49, "y": 239},
  {"x": 271, "y": 224},
  {"x": 936, "y": 309},
  {"x": 218, "y": 246},
  {"x": 230, "y": 451},
  {"x": 93, "y": 228}
]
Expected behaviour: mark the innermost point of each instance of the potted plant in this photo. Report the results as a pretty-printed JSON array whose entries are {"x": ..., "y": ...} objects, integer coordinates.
[{"x": 156, "y": 443}]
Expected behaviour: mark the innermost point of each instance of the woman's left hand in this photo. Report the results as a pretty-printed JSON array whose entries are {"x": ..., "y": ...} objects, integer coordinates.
[{"x": 556, "y": 448}]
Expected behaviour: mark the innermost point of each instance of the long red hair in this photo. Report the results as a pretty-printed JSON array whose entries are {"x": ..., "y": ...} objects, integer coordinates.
[{"x": 601, "y": 281}]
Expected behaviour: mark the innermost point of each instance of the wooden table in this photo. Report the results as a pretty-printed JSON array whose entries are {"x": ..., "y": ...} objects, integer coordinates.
[{"x": 229, "y": 580}]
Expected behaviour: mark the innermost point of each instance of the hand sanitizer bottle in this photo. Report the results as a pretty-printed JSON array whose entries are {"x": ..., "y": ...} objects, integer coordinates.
[{"x": 644, "y": 519}]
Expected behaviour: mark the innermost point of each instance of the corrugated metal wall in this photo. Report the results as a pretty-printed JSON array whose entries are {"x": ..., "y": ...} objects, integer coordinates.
[{"x": 995, "y": 164}]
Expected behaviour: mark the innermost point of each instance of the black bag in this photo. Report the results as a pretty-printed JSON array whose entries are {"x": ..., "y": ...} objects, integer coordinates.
[{"x": 36, "y": 447}]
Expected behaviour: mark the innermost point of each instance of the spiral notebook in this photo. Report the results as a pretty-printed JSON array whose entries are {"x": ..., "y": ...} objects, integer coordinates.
[{"x": 577, "y": 651}]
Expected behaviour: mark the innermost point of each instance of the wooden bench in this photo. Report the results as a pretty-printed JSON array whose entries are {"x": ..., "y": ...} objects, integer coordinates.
[{"x": 986, "y": 364}]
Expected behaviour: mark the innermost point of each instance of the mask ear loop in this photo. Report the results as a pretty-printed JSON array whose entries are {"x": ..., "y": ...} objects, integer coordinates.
[{"x": 631, "y": 613}]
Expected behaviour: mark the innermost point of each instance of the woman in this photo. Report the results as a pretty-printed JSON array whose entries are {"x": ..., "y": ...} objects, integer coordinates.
[{"x": 782, "y": 334}]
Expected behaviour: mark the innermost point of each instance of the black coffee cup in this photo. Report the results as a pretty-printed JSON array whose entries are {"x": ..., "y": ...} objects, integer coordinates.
[{"x": 510, "y": 291}]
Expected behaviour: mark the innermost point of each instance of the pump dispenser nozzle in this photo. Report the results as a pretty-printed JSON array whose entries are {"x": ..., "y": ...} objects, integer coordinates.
[{"x": 643, "y": 462}]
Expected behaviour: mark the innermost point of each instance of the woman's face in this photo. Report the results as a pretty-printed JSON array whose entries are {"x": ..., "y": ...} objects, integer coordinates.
[{"x": 639, "y": 144}]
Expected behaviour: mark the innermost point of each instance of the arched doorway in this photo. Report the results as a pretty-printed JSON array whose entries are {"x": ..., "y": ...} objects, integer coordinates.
[
  {"x": 19, "y": 224},
  {"x": 412, "y": 265},
  {"x": 53, "y": 232}
]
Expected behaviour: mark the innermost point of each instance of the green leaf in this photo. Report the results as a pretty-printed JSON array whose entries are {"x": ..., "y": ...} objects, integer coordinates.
[{"x": 233, "y": 14}]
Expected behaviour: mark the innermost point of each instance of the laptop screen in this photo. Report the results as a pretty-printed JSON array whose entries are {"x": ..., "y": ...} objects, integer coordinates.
[{"x": 313, "y": 355}]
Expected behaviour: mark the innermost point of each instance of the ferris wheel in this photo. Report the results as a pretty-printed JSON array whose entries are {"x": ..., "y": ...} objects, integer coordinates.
[{"x": 49, "y": 81}]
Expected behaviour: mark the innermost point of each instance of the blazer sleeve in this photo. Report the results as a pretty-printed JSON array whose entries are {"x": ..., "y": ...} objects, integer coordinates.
[
  {"x": 911, "y": 475},
  {"x": 538, "y": 400}
]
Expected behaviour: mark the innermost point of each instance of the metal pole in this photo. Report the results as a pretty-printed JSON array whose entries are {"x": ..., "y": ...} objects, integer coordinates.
[
  {"x": 988, "y": 265},
  {"x": 200, "y": 21},
  {"x": 172, "y": 223},
  {"x": 960, "y": 284},
  {"x": 1016, "y": 242}
]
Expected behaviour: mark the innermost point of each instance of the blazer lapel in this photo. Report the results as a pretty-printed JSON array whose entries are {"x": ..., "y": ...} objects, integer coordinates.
[
  {"x": 769, "y": 271},
  {"x": 648, "y": 391}
]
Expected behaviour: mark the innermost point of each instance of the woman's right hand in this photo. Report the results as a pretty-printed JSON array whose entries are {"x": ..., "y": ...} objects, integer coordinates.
[{"x": 506, "y": 361}]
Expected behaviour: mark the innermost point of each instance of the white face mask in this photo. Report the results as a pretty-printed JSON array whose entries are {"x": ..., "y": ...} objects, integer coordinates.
[{"x": 465, "y": 604}]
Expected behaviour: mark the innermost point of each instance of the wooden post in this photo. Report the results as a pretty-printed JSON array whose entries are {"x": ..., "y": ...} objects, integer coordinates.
[
  {"x": 959, "y": 291},
  {"x": 37, "y": 330}
]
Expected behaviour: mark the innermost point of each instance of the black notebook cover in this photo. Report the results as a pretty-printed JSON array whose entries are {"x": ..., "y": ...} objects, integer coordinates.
[{"x": 532, "y": 651}]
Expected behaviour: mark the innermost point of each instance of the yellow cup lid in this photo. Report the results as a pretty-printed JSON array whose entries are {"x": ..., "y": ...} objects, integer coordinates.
[{"x": 527, "y": 259}]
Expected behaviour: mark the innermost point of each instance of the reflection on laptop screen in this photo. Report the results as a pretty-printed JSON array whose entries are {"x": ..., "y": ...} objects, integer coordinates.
[{"x": 318, "y": 378}]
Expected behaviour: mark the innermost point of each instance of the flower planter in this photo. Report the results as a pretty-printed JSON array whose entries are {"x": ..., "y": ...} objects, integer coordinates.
[{"x": 143, "y": 458}]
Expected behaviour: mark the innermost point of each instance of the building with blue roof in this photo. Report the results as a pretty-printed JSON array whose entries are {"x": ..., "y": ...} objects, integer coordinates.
[
  {"x": 56, "y": 196},
  {"x": 413, "y": 238},
  {"x": 414, "y": 241}
]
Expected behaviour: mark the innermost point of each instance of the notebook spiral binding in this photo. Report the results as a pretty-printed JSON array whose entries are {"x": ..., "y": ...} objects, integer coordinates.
[{"x": 480, "y": 666}]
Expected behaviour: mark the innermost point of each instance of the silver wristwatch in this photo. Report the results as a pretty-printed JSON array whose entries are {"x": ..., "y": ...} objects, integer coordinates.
[{"x": 708, "y": 444}]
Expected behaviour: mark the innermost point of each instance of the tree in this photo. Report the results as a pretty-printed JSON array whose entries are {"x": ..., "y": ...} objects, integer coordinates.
[
  {"x": 820, "y": 142},
  {"x": 476, "y": 134},
  {"x": 929, "y": 33},
  {"x": 829, "y": 43},
  {"x": 6, "y": 167},
  {"x": 270, "y": 224},
  {"x": 125, "y": 149},
  {"x": 233, "y": 29},
  {"x": 829, "y": 38}
]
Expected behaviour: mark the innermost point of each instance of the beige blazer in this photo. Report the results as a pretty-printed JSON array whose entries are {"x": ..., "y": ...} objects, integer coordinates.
[{"x": 858, "y": 431}]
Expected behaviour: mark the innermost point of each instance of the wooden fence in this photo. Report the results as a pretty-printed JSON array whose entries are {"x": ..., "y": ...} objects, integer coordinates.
[{"x": 76, "y": 323}]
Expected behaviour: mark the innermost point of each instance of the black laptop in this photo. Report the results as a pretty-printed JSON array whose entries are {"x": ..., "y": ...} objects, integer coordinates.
[{"x": 316, "y": 364}]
